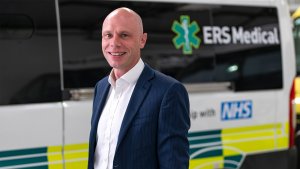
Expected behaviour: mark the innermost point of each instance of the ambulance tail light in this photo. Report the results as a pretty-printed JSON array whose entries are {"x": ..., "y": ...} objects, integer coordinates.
[{"x": 292, "y": 116}]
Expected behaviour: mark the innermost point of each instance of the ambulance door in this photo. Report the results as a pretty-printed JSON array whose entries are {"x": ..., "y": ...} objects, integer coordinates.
[{"x": 30, "y": 92}]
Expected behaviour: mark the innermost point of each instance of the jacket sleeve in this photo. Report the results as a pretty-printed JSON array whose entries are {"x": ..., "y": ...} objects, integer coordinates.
[{"x": 173, "y": 126}]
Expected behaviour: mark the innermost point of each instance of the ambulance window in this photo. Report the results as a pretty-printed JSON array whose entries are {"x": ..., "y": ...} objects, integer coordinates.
[
  {"x": 29, "y": 59},
  {"x": 231, "y": 47},
  {"x": 15, "y": 26},
  {"x": 83, "y": 62},
  {"x": 251, "y": 69},
  {"x": 193, "y": 43},
  {"x": 252, "y": 61},
  {"x": 297, "y": 42}
]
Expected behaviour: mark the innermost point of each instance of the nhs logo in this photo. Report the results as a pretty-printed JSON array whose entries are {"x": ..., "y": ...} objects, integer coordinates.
[{"x": 234, "y": 110}]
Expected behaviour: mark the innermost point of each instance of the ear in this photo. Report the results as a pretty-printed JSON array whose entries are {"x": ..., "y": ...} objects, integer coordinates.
[{"x": 143, "y": 40}]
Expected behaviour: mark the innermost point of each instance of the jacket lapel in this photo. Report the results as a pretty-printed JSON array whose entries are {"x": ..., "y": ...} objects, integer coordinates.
[
  {"x": 101, "y": 99},
  {"x": 140, "y": 91}
]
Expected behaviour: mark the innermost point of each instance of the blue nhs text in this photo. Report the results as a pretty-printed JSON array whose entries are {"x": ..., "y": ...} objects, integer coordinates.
[{"x": 234, "y": 110}]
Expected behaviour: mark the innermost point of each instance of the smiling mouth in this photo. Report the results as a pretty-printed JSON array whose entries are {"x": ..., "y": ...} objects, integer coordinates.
[{"x": 116, "y": 53}]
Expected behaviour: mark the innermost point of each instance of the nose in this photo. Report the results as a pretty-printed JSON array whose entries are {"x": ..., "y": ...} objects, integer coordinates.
[{"x": 115, "y": 41}]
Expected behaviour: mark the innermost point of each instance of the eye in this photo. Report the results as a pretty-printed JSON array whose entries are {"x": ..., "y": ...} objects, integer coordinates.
[
  {"x": 107, "y": 36},
  {"x": 124, "y": 35}
]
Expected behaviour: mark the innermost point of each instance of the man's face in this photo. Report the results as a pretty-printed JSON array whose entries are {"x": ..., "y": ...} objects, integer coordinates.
[{"x": 122, "y": 39}]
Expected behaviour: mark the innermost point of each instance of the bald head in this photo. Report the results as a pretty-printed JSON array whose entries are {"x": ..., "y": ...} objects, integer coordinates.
[
  {"x": 122, "y": 40},
  {"x": 128, "y": 15}
]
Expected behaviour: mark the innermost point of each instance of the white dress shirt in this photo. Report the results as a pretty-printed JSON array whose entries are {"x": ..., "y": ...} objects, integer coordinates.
[{"x": 112, "y": 116}]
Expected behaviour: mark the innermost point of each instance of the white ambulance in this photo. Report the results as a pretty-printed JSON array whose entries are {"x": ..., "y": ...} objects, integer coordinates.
[{"x": 235, "y": 57}]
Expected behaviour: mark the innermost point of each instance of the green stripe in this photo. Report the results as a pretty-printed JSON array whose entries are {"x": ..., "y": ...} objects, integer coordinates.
[
  {"x": 204, "y": 133},
  {"x": 205, "y": 140},
  {"x": 193, "y": 150},
  {"x": 23, "y": 152},
  {"x": 217, "y": 140},
  {"x": 236, "y": 158},
  {"x": 231, "y": 166},
  {"x": 211, "y": 153},
  {"x": 37, "y": 167},
  {"x": 13, "y": 162}
]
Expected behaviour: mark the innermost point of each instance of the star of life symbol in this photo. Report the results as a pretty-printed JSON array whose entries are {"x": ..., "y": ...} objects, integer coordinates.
[{"x": 186, "y": 34}]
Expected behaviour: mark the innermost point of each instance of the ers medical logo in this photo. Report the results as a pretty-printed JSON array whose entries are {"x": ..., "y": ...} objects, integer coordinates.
[
  {"x": 238, "y": 35},
  {"x": 187, "y": 36}
]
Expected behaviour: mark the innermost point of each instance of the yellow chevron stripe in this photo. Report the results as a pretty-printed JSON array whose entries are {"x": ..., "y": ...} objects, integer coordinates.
[
  {"x": 238, "y": 142},
  {"x": 283, "y": 137},
  {"x": 76, "y": 155},
  {"x": 54, "y": 154},
  {"x": 71, "y": 147},
  {"x": 255, "y": 138}
]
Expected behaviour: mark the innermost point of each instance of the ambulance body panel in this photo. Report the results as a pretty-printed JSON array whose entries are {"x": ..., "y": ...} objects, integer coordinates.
[{"x": 235, "y": 57}]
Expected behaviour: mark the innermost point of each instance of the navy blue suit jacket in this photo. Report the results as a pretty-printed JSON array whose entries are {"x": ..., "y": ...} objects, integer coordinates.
[{"x": 154, "y": 130}]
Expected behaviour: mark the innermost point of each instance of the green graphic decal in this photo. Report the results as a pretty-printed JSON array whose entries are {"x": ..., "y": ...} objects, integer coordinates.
[
  {"x": 208, "y": 146},
  {"x": 31, "y": 157},
  {"x": 186, "y": 34}
]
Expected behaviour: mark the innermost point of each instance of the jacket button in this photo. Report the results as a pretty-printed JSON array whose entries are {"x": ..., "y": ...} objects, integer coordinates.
[{"x": 116, "y": 166}]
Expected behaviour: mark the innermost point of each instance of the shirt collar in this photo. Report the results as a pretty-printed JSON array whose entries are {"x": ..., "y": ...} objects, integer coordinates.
[{"x": 131, "y": 76}]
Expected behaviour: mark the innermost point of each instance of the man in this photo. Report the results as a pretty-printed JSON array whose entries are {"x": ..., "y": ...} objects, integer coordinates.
[{"x": 140, "y": 116}]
